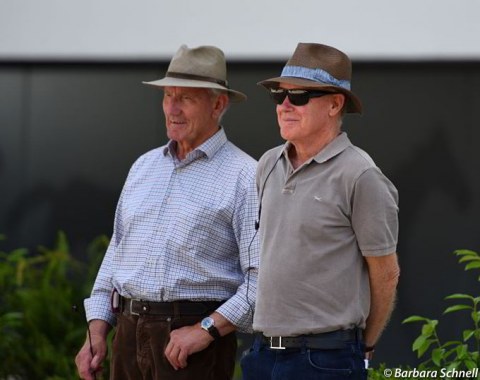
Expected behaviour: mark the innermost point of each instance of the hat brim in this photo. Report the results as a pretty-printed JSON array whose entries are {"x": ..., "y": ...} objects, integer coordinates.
[
  {"x": 234, "y": 96},
  {"x": 354, "y": 105}
]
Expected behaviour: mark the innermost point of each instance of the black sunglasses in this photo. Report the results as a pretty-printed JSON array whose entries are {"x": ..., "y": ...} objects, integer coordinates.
[{"x": 296, "y": 96}]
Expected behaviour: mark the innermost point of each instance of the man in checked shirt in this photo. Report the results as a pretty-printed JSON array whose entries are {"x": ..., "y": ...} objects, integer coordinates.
[{"x": 179, "y": 276}]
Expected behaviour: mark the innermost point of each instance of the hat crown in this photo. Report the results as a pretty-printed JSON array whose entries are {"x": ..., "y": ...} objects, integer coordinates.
[
  {"x": 200, "y": 67},
  {"x": 327, "y": 58},
  {"x": 318, "y": 66},
  {"x": 204, "y": 61}
]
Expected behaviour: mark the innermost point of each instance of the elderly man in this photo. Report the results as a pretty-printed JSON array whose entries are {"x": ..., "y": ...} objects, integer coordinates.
[
  {"x": 328, "y": 231},
  {"x": 179, "y": 276}
]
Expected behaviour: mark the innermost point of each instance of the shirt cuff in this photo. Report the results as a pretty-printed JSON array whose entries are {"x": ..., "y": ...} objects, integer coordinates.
[
  {"x": 238, "y": 314},
  {"x": 94, "y": 309}
]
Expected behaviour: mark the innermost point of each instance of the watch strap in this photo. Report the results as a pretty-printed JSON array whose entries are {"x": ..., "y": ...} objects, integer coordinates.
[{"x": 213, "y": 331}]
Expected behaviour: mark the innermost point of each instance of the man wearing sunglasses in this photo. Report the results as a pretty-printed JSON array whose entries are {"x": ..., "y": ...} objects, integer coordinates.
[{"x": 328, "y": 226}]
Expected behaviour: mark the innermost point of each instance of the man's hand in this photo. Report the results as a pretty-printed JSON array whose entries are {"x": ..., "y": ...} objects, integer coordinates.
[
  {"x": 190, "y": 339},
  {"x": 186, "y": 341},
  {"x": 87, "y": 365}
]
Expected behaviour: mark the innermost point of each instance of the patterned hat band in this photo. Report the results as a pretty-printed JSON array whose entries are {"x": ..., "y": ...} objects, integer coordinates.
[{"x": 317, "y": 75}]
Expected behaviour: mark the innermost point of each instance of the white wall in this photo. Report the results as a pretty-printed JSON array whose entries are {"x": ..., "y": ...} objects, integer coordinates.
[{"x": 244, "y": 29}]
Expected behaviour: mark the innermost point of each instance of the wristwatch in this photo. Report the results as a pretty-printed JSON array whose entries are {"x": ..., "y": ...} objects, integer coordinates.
[{"x": 208, "y": 324}]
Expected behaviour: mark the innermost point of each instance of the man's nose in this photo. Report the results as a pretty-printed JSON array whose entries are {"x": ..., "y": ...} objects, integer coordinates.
[
  {"x": 172, "y": 107},
  {"x": 286, "y": 103}
]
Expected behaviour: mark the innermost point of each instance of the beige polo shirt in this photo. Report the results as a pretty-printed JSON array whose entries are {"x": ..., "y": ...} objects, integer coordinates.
[{"x": 316, "y": 224}]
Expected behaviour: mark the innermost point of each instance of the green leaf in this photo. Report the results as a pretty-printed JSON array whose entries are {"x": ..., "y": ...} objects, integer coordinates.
[
  {"x": 428, "y": 329},
  {"x": 453, "y": 365},
  {"x": 475, "y": 316},
  {"x": 467, "y": 334},
  {"x": 419, "y": 342},
  {"x": 462, "y": 351},
  {"x": 415, "y": 318},
  {"x": 437, "y": 356},
  {"x": 457, "y": 308},
  {"x": 460, "y": 252},
  {"x": 17, "y": 255},
  {"x": 470, "y": 364},
  {"x": 472, "y": 265},
  {"x": 425, "y": 347},
  {"x": 459, "y": 296},
  {"x": 421, "y": 345},
  {"x": 468, "y": 258},
  {"x": 62, "y": 242}
]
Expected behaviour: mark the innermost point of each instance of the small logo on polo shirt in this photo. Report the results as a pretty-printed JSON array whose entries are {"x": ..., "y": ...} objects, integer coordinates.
[{"x": 317, "y": 198}]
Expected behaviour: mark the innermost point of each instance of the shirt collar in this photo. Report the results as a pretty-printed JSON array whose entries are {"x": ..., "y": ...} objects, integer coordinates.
[
  {"x": 334, "y": 148},
  {"x": 207, "y": 149}
]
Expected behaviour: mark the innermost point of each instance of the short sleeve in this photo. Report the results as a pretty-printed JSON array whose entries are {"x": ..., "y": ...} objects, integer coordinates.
[{"x": 375, "y": 213}]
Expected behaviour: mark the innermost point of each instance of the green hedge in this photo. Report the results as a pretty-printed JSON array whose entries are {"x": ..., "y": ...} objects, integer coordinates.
[{"x": 40, "y": 332}]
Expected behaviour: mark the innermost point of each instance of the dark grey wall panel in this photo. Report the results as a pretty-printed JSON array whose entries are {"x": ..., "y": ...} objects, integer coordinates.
[
  {"x": 69, "y": 133},
  {"x": 14, "y": 100}
]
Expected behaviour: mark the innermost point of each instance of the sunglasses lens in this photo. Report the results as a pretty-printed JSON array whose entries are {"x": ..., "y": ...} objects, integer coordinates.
[
  {"x": 295, "y": 97},
  {"x": 298, "y": 97},
  {"x": 278, "y": 95}
]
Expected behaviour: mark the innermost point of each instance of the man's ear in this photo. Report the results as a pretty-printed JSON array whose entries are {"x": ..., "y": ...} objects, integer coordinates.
[
  {"x": 338, "y": 102},
  {"x": 221, "y": 103}
]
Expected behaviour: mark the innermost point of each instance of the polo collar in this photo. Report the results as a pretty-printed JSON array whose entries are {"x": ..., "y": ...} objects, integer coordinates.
[{"x": 334, "y": 148}]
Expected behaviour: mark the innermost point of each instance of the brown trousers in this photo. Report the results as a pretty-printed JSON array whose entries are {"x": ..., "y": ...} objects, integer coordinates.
[{"x": 140, "y": 342}]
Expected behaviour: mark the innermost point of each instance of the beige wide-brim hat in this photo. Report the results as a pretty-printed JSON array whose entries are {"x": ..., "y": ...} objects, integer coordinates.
[
  {"x": 201, "y": 67},
  {"x": 317, "y": 66}
]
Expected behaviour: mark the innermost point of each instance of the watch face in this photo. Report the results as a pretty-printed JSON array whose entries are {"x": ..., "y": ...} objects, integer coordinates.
[{"x": 207, "y": 323}]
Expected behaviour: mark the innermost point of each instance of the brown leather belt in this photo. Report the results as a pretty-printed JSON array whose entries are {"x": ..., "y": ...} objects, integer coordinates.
[
  {"x": 175, "y": 308},
  {"x": 324, "y": 341}
]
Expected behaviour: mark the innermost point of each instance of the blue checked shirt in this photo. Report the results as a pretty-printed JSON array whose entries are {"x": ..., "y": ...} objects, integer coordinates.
[{"x": 185, "y": 230}]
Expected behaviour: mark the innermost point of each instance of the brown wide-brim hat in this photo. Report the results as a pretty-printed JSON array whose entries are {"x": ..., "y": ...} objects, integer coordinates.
[
  {"x": 317, "y": 66},
  {"x": 201, "y": 67}
]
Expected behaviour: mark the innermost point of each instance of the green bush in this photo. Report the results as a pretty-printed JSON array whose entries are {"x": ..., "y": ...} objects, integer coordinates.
[
  {"x": 40, "y": 333},
  {"x": 460, "y": 354}
]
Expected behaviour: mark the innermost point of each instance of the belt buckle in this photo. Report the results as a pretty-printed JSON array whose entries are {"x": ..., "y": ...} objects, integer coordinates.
[
  {"x": 279, "y": 346},
  {"x": 131, "y": 310}
]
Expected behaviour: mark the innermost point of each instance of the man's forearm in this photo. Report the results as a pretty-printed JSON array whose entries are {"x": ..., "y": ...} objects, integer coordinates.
[
  {"x": 100, "y": 328},
  {"x": 383, "y": 274},
  {"x": 223, "y": 325}
]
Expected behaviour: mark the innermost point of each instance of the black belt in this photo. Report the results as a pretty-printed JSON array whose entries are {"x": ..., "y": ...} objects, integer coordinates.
[
  {"x": 324, "y": 341},
  {"x": 175, "y": 308}
]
